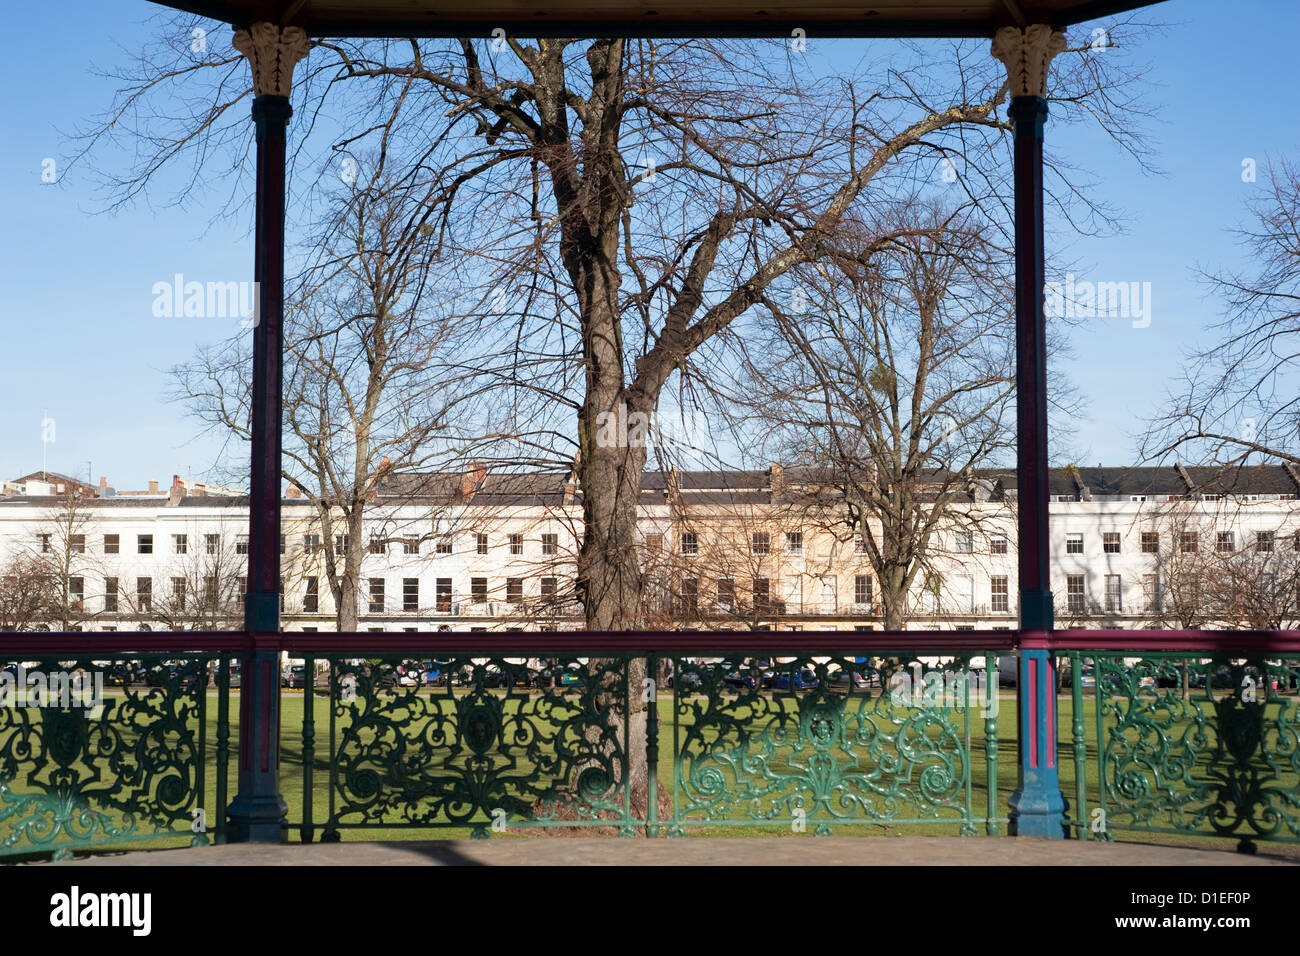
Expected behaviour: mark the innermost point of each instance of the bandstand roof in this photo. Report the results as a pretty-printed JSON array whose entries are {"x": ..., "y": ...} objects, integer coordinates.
[{"x": 657, "y": 18}]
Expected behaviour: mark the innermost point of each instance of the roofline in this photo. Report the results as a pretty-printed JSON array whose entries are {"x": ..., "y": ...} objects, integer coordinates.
[{"x": 834, "y": 25}]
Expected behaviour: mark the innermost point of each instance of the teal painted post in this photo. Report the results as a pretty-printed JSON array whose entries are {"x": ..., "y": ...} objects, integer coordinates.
[
  {"x": 1037, "y": 807},
  {"x": 652, "y": 749},
  {"x": 223, "y": 745},
  {"x": 1080, "y": 747},
  {"x": 258, "y": 810},
  {"x": 991, "y": 744},
  {"x": 308, "y": 744}
]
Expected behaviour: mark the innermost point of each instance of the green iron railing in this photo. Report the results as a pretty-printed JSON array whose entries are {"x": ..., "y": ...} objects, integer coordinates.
[
  {"x": 1185, "y": 744},
  {"x": 591, "y": 740},
  {"x": 100, "y": 752}
]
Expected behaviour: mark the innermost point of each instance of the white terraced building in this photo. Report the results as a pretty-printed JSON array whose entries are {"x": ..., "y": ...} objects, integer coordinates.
[{"x": 1131, "y": 548}]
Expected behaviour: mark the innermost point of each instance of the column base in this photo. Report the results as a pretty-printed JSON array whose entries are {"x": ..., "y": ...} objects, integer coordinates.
[
  {"x": 258, "y": 820},
  {"x": 1037, "y": 807}
]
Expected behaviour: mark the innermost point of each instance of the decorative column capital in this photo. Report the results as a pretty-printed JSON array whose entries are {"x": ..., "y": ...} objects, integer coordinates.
[
  {"x": 1027, "y": 54},
  {"x": 272, "y": 52}
]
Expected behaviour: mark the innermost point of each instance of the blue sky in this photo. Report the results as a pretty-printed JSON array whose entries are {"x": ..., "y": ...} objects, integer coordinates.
[{"x": 81, "y": 339}]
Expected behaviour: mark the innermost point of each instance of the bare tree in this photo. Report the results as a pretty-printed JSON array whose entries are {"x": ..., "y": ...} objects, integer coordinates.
[
  {"x": 30, "y": 596},
  {"x": 204, "y": 588},
  {"x": 898, "y": 378},
  {"x": 370, "y": 389},
  {"x": 1239, "y": 396}
]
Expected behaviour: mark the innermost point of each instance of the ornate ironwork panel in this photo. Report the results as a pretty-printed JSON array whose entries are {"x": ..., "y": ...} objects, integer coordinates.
[
  {"x": 101, "y": 752},
  {"x": 484, "y": 743},
  {"x": 813, "y": 743},
  {"x": 1206, "y": 746}
]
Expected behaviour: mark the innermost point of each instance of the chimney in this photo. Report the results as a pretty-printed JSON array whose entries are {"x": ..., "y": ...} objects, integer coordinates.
[
  {"x": 673, "y": 487},
  {"x": 175, "y": 494},
  {"x": 293, "y": 492},
  {"x": 776, "y": 485},
  {"x": 153, "y": 487},
  {"x": 103, "y": 481},
  {"x": 176, "y": 482},
  {"x": 470, "y": 481}
]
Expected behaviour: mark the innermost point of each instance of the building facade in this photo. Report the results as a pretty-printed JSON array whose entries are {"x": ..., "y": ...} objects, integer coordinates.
[{"x": 770, "y": 549}]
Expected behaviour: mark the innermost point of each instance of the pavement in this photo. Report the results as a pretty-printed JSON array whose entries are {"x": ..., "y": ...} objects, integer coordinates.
[{"x": 700, "y": 851}]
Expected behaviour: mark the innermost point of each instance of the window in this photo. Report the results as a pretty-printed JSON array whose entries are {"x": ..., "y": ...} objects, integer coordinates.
[
  {"x": 210, "y": 590},
  {"x": 1114, "y": 597},
  {"x": 549, "y": 588},
  {"x": 794, "y": 542},
  {"x": 1110, "y": 542},
  {"x": 1188, "y": 542},
  {"x": 211, "y": 543},
  {"x": 310, "y": 543},
  {"x": 726, "y": 594},
  {"x": 690, "y": 594},
  {"x": 690, "y": 543},
  {"x": 144, "y": 595},
  {"x": 478, "y": 590},
  {"x": 1074, "y": 544},
  {"x": 964, "y": 542},
  {"x": 376, "y": 595},
  {"x": 550, "y": 544},
  {"x": 442, "y": 593},
  {"x": 110, "y": 595},
  {"x": 284, "y": 544},
  {"x": 144, "y": 544},
  {"x": 377, "y": 546},
  {"x": 180, "y": 544},
  {"x": 241, "y": 544},
  {"x": 859, "y": 544},
  {"x": 1151, "y": 591},
  {"x": 411, "y": 546},
  {"x": 1264, "y": 541},
  {"x": 1150, "y": 542},
  {"x": 481, "y": 543},
  {"x": 443, "y": 545},
  {"x": 762, "y": 594},
  {"x": 516, "y": 544},
  {"x": 862, "y": 589},
  {"x": 77, "y": 543},
  {"x": 178, "y": 594},
  {"x": 340, "y": 544},
  {"x": 1225, "y": 542},
  {"x": 514, "y": 590},
  {"x": 654, "y": 542},
  {"x": 1074, "y": 593},
  {"x": 999, "y": 596},
  {"x": 311, "y": 597},
  {"x": 76, "y": 593},
  {"x": 45, "y": 543},
  {"x": 410, "y": 594},
  {"x": 761, "y": 542},
  {"x": 112, "y": 544},
  {"x": 998, "y": 543}
]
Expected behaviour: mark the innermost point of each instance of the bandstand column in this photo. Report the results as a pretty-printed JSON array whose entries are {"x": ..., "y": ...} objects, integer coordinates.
[
  {"x": 1037, "y": 806},
  {"x": 258, "y": 811}
]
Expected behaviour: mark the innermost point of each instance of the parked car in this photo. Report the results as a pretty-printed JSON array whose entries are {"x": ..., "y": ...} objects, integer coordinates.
[
  {"x": 803, "y": 679},
  {"x": 741, "y": 680},
  {"x": 169, "y": 672},
  {"x": 844, "y": 680},
  {"x": 688, "y": 681},
  {"x": 294, "y": 676}
]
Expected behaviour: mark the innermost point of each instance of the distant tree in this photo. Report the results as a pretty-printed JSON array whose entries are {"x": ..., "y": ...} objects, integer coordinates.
[
  {"x": 1240, "y": 396},
  {"x": 30, "y": 596}
]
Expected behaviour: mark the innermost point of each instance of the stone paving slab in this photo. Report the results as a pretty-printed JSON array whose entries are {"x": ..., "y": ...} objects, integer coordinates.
[{"x": 699, "y": 851}]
